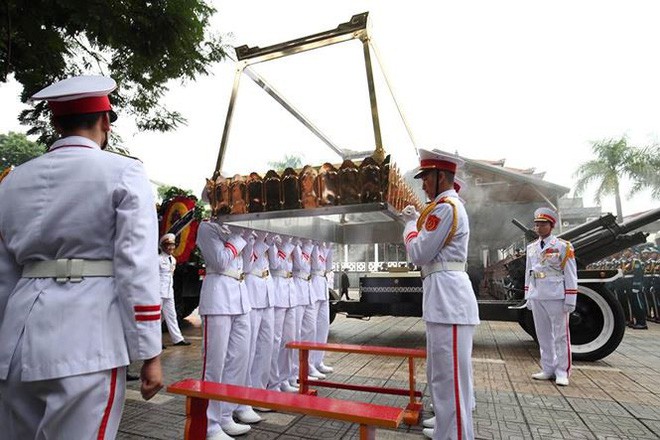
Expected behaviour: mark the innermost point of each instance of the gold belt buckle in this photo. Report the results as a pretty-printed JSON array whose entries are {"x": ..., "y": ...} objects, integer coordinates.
[
  {"x": 539, "y": 274},
  {"x": 264, "y": 274},
  {"x": 241, "y": 277}
]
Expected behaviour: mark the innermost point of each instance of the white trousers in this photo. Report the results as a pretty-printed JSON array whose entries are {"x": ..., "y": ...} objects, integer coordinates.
[
  {"x": 449, "y": 371},
  {"x": 261, "y": 348},
  {"x": 168, "y": 313},
  {"x": 322, "y": 329},
  {"x": 85, "y": 406},
  {"x": 552, "y": 332},
  {"x": 226, "y": 356},
  {"x": 282, "y": 361}
]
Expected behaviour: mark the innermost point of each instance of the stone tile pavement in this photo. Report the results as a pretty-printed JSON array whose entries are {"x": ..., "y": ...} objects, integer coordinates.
[{"x": 615, "y": 398}]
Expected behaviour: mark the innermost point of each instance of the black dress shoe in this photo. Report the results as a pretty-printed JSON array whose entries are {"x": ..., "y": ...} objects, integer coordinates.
[
  {"x": 183, "y": 342},
  {"x": 639, "y": 327},
  {"x": 131, "y": 377},
  {"x": 164, "y": 348}
]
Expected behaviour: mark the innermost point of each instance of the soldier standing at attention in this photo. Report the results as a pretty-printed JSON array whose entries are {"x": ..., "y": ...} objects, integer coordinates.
[
  {"x": 224, "y": 306},
  {"x": 437, "y": 240},
  {"x": 78, "y": 276},
  {"x": 551, "y": 294},
  {"x": 166, "y": 266}
]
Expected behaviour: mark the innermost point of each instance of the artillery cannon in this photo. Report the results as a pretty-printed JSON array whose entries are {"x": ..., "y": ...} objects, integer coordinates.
[{"x": 598, "y": 323}]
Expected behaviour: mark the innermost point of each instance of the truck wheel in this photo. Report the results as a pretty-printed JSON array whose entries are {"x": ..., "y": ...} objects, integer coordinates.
[
  {"x": 333, "y": 314},
  {"x": 185, "y": 306},
  {"x": 597, "y": 325},
  {"x": 526, "y": 321}
]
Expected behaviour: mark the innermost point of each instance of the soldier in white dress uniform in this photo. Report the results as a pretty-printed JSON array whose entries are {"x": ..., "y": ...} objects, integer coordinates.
[
  {"x": 262, "y": 300},
  {"x": 78, "y": 276},
  {"x": 321, "y": 264},
  {"x": 167, "y": 265},
  {"x": 224, "y": 306},
  {"x": 551, "y": 294},
  {"x": 281, "y": 369},
  {"x": 307, "y": 311},
  {"x": 437, "y": 240}
]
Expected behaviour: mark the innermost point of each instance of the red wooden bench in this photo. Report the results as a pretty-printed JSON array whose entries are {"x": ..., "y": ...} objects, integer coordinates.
[
  {"x": 414, "y": 407},
  {"x": 198, "y": 393}
]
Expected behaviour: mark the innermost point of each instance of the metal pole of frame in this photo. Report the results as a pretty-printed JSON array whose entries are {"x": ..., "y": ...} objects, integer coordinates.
[
  {"x": 230, "y": 113},
  {"x": 379, "y": 153}
]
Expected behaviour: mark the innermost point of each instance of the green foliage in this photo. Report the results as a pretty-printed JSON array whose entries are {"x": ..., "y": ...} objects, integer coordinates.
[
  {"x": 288, "y": 161},
  {"x": 16, "y": 148},
  {"x": 142, "y": 45},
  {"x": 167, "y": 192},
  {"x": 614, "y": 160}
]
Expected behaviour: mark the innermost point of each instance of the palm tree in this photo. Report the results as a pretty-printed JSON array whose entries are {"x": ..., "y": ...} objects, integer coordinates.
[{"x": 615, "y": 159}]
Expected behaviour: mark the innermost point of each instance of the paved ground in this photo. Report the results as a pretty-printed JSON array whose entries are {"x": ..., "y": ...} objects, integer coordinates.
[{"x": 615, "y": 398}]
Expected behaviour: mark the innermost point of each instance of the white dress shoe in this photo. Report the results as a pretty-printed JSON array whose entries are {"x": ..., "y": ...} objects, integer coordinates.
[
  {"x": 233, "y": 428},
  {"x": 313, "y": 372},
  {"x": 248, "y": 416},
  {"x": 428, "y": 432},
  {"x": 324, "y": 369},
  {"x": 542, "y": 375},
  {"x": 219, "y": 436},
  {"x": 287, "y": 388},
  {"x": 562, "y": 381},
  {"x": 429, "y": 423},
  {"x": 260, "y": 409}
]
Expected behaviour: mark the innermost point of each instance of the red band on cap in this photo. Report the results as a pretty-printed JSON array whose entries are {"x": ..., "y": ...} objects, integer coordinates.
[
  {"x": 93, "y": 104},
  {"x": 545, "y": 218},
  {"x": 438, "y": 165}
]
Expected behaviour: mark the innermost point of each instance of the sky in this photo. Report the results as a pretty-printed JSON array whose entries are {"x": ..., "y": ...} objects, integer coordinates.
[{"x": 530, "y": 82}]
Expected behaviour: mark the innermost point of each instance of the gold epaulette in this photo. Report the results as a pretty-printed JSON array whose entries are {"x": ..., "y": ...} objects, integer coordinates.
[
  {"x": 4, "y": 172},
  {"x": 430, "y": 207}
]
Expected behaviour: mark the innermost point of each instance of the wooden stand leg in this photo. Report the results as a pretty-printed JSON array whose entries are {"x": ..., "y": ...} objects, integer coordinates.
[
  {"x": 304, "y": 371},
  {"x": 195, "y": 419},
  {"x": 367, "y": 432}
]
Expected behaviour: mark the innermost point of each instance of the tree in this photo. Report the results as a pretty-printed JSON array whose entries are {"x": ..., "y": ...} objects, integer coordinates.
[
  {"x": 142, "y": 45},
  {"x": 615, "y": 160},
  {"x": 287, "y": 162},
  {"x": 16, "y": 148}
]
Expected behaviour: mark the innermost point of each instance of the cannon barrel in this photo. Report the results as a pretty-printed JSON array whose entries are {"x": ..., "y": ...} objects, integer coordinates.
[
  {"x": 640, "y": 220},
  {"x": 604, "y": 221},
  {"x": 529, "y": 234}
]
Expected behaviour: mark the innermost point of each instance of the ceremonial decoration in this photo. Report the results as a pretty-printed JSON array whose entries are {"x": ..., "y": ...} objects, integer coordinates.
[
  {"x": 311, "y": 188},
  {"x": 175, "y": 212}
]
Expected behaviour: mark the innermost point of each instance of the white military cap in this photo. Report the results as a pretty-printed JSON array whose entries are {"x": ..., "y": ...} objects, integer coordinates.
[
  {"x": 79, "y": 95},
  {"x": 545, "y": 215},
  {"x": 168, "y": 238},
  {"x": 434, "y": 160}
]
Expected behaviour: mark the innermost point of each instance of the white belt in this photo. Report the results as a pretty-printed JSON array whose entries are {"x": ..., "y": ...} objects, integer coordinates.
[
  {"x": 546, "y": 274},
  {"x": 281, "y": 273},
  {"x": 319, "y": 273},
  {"x": 240, "y": 276},
  {"x": 259, "y": 273},
  {"x": 73, "y": 270},
  {"x": 442, "y": 266},
  {"x": 302, "y": 275}
]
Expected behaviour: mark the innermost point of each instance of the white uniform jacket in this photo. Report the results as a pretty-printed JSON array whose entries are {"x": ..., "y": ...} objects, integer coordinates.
[
  {"x": 318, "y": 267},
  {"x": 443, "y": 237},
  {"x": 258, "y": 281},
  {"x": 77, "y": 201},
  {"x": 222, "y": 294},
  {"x": 166, "y": 266},
  {"x": 281, "y": 266},
  {"x": 302, "y": 273},
  {"x": 551, "y": 272}
]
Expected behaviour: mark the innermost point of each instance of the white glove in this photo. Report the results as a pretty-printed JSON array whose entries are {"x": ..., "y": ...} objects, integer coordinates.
[
  {"x": 569, "y": 308},
  {"x": 261, "y": 235},
  {"x": 287, "y": 239},
  {"x": 528, "y": 305},
  {"x": 296, "y": 241},
  {"x": 274, "y": 239},
  {"x": 224, "y": 231},
  {"x": 409, "y": 213},
  {"x": 307, "y": 242}
]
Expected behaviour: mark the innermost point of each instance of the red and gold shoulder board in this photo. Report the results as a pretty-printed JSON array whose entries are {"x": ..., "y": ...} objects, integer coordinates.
[{"x": 4, "y": 173}]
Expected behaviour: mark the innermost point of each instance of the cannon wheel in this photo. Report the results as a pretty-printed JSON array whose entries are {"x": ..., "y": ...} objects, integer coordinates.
[{"x": 597, "y": 325}]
